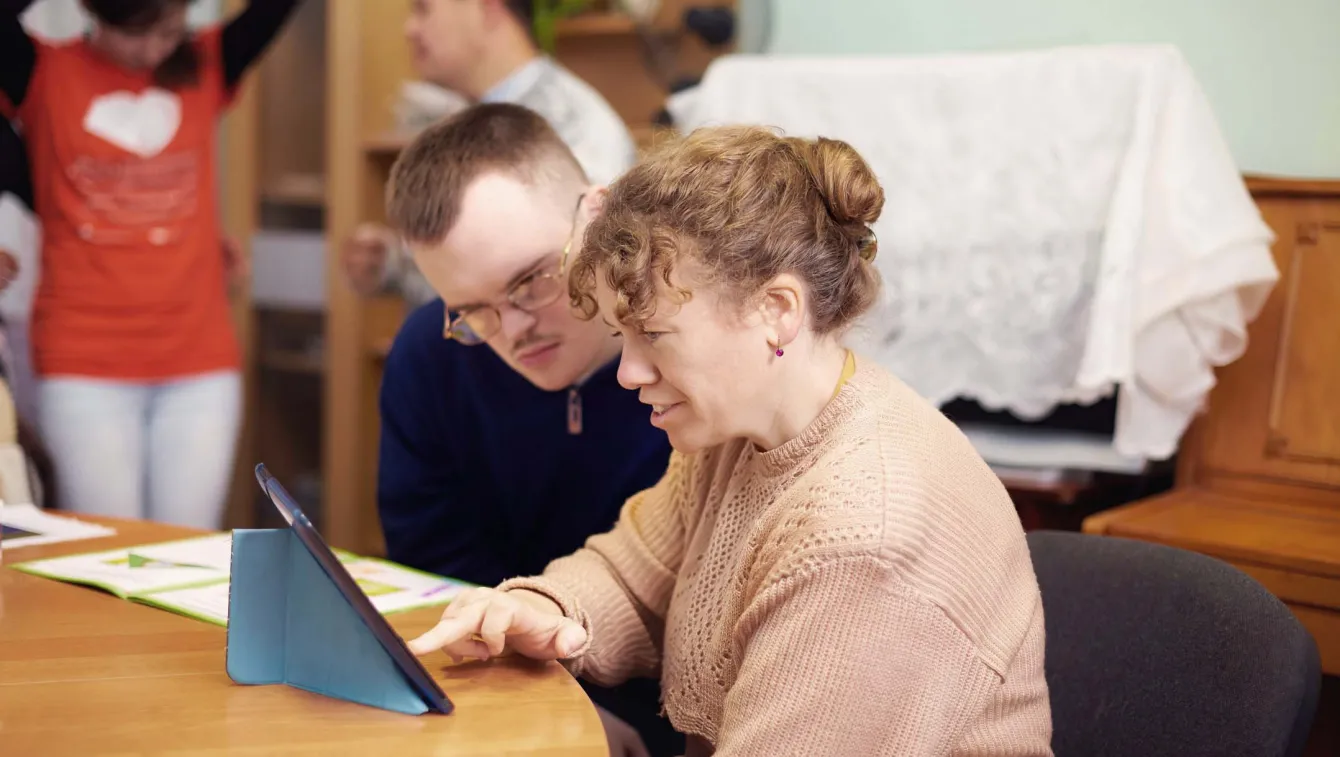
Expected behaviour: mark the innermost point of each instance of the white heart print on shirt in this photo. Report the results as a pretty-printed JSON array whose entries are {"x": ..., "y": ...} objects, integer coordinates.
[{"x": 142, "y": 124}]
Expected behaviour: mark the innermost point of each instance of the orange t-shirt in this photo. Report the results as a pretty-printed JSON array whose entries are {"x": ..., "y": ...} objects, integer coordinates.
[{"x": 133, "y": 283}]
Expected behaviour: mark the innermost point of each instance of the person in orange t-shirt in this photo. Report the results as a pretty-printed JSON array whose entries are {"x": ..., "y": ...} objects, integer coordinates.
[{"x": 132, "y": 338}]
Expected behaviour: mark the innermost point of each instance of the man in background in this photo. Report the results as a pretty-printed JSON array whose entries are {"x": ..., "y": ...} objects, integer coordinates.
[
  {"x": 484, "y": 51},
  {"x": 506, "y": 439}
]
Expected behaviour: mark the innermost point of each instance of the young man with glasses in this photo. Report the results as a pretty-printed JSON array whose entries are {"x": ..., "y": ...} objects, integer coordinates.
[{"x": 506, "y": 438}]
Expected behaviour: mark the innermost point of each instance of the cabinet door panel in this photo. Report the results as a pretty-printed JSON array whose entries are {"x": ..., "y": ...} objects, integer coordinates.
[{"x": 1274, "y": 415}]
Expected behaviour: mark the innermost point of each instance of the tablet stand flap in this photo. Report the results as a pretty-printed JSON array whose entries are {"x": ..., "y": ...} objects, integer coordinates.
[
  {"x": 330, "y": 650},
  {"x": 257, "y": 598},
  {"x": 323, "y": 645}
]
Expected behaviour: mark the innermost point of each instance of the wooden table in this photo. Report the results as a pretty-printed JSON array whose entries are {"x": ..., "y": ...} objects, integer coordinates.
[{"x": 83, "y": 672}]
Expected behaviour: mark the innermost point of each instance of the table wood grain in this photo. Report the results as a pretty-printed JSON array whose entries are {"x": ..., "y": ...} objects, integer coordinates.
[{"x": 83, "y": 672}]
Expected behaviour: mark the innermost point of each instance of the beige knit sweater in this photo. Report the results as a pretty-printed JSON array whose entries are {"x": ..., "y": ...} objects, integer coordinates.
[{"x": 865, "y": 589}]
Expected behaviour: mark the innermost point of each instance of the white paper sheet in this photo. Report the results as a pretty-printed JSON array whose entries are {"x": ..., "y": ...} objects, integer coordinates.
[{"x": 27, "y": 525}]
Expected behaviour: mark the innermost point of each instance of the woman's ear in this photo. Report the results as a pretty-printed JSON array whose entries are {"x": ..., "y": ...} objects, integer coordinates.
[
  {"x": 595, "y": 200},
  {"x": 783, "y": 308}
]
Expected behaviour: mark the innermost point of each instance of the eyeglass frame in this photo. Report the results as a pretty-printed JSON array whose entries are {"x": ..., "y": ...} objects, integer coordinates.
[{"x": 456, "y": 327}]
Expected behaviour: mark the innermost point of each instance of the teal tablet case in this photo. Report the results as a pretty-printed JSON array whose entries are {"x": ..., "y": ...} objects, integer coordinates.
[{"x": 288, "y": 623}]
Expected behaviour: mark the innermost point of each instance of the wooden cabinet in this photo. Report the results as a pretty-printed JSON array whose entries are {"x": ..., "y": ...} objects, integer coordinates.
[
  {"x": 1258, "y": 480},
  {"x": 1276, "y": 413}
]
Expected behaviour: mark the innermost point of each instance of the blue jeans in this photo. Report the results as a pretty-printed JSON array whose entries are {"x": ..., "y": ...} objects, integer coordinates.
[{"x": 161, "y": 451}]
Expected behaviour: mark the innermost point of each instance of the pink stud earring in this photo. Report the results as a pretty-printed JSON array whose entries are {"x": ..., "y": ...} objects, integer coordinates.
[{"x": 779, "y": 352}]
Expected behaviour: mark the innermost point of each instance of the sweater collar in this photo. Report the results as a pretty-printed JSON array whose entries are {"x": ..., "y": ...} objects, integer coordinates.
[{"x": 829, "y": 422}]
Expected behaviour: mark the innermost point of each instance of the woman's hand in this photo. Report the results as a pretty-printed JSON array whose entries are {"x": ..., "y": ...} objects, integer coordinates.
[{"x": 483, "y": 623}]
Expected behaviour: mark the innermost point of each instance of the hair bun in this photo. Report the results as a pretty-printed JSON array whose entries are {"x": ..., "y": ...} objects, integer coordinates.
[
  {"x": 748, "y": 205},
  {"x": 849, "y": 188}
]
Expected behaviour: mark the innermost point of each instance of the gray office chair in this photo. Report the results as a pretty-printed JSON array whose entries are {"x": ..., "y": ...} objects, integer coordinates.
[{"x": 1155, "y": 651}]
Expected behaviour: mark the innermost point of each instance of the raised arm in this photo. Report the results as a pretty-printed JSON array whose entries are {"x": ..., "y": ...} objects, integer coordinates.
[
  {"x": 249, "y": 33},
  {"x": 430, "y": 515},
  {"x": 18, "y": 54},
  {"x": 15, "y": 175}
]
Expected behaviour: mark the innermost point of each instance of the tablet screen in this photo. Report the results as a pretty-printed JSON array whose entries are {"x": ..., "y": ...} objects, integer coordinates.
[{"x": 409, "y": 665}]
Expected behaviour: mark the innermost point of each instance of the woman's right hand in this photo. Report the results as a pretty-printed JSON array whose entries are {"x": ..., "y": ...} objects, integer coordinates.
[{"x": 483, "y": 623}]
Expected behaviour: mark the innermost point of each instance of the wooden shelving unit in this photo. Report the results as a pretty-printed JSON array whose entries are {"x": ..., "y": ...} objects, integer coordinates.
[
  {"x": 274, "y": 178},
  {"x": 303, "y": 155}
]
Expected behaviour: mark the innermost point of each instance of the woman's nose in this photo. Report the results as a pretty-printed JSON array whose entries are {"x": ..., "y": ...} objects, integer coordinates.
[{"x": 635, "y": 371}]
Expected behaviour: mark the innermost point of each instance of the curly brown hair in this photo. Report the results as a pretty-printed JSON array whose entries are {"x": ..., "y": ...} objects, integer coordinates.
[{"x": 748, "y": 204}]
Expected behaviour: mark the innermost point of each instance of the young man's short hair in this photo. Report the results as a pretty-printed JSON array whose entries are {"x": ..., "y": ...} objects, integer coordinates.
[{"x": 428, "y": 179}]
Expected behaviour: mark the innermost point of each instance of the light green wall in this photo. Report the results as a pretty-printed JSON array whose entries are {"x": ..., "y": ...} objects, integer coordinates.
[{"x": 1271, "y": 68}]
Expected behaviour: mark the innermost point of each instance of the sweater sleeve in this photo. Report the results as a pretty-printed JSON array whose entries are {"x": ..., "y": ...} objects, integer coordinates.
[
  {"x": 619, "y": 585},
  {"x": 806, "y": 684}
]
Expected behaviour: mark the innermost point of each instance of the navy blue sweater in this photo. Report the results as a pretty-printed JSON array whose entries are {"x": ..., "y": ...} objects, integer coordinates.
[{"x": 479, "y": 478}]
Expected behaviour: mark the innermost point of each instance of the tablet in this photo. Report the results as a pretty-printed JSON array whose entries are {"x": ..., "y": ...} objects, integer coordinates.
[{"x": 409, "y": 665}]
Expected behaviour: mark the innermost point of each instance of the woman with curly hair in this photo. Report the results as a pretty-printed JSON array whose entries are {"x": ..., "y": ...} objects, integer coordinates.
[{"x": 827, "y": 567}]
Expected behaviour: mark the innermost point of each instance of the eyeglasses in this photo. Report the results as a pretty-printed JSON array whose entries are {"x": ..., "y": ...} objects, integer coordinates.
[{"x": 539, "y": 289}]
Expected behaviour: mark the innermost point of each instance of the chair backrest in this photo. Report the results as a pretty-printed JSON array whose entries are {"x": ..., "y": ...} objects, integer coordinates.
[{"x": 1156, "y": 651}]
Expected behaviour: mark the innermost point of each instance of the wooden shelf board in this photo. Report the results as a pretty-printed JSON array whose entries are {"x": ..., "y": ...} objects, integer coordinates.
[
  {"x": 307, "y": 190},
  {"x": 1283, "y": 185},
  {"x": 595, "y": 24},
  {"x": 1287, "y": 535},
  {"x": 388, "y": 143},
  {"x": 292, "y": 361}
]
